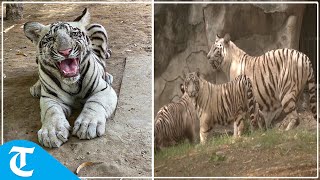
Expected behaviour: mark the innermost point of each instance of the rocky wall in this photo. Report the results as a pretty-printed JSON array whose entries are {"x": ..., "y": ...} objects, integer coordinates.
[{"x": 184, "y": 34}]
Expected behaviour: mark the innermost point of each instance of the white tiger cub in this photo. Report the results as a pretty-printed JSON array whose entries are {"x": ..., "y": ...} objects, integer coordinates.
[
  {"x": 176, "y": 122},
  {"x": 70, "y": 73},
  {"x": 100, "y": 46},
  {"x": 223, "y": 103}
]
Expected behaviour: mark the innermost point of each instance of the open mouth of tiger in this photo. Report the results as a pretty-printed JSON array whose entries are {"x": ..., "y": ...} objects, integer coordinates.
[{"x": 69, "y": 67}]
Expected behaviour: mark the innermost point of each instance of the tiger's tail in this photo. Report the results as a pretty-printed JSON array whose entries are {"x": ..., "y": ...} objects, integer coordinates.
[
  {"x": 97, "y": 34},
  {"x": 312, "y": 91},
  {"x": 253, "y": 107},
  {"x": 99, "y": 39}
]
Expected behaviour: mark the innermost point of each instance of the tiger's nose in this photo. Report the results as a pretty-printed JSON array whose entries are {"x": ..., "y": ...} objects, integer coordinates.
[
  {"x": 65, "y": 52},
  {"x": 208, "y": 55}
]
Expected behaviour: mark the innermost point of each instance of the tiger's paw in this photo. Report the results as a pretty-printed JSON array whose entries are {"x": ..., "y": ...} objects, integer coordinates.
[
  {"x": 88, "y": 127},
  {"x": 54, "y": 134},
  {"x": 35, "y": 90}
]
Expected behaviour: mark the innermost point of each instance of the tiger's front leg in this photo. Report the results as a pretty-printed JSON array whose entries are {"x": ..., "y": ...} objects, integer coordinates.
[
  {"x": 238, "y": 127},
  {"x": 205, "y": 128},
  {"x": 97, "y": 109},
  {"x": 55, "y": 127}
]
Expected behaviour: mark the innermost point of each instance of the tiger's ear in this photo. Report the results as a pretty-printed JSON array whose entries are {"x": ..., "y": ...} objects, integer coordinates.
[
  {"x": 198, "y": 72},
  {"x": 217, "y": 38},
  {"x": 182, "y": 88},
  {"x": 84, "y": 18},
  {"x": 227, "y": 38},
  {"x": 185, "y": 72},
  {"x": 33, "y": 31}
]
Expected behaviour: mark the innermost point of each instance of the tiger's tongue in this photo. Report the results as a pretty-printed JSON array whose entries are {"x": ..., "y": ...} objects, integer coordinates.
[{"x": 69, "y": 67}]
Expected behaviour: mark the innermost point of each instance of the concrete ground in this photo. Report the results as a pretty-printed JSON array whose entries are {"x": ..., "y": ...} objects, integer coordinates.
[{"x": 129, "y": 136}]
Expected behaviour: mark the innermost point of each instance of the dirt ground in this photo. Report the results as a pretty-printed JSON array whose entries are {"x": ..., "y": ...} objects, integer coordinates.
[
  {"x": 269, "y": 154},
  {"x": 122, "y": 151}
]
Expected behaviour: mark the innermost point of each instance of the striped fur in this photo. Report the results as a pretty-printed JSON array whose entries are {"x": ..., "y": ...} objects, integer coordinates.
[
  {"x": 71, "y": 75},
  {"x": 176, "y": 122},
  {"x": 98, "y": 36},
  {"x": 278, "y": 77},
  {"x": 223, "y": 103},
  {"x": 99, "y": 41}
]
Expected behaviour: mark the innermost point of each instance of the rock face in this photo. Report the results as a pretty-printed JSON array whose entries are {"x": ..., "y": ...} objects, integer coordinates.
[{"x": 185, "y": 33}]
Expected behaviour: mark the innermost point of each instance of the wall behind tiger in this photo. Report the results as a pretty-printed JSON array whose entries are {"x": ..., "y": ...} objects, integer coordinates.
[{"x": 184, "y": 34}]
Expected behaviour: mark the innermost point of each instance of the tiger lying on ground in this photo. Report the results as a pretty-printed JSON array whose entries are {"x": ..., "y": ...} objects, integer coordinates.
[
  {"x": 278, "y": 77},
  {"x": 70, "y": 73},
  {"x": 223, "y": 103},
  {"x": 175, "y": 122}
]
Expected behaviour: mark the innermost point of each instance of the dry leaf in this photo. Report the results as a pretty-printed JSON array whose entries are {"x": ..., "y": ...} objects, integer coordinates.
[
  {"x": 8, "y": 29},
  {"x": 86, "y": 164},
  {"x": 21, "y": 53}
]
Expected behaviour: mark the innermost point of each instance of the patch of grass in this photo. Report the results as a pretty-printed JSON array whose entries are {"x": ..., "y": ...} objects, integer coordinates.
[
  {"x": 184, "y": 148},
  {"x": 306, "y": 136},
  {"x": 180, "y": 149},
  {"x": 217, "y": 157},
  {"x": 296, "y": 139},
  {"x": 266, "y": 139},
  {"x": 220, "y": 140},
  {"x": 274, "y": 137},
  {"x": 306, "y": 140}
]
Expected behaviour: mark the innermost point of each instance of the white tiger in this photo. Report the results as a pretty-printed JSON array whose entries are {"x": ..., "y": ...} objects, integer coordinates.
[
  {"x": 176, "y": 122},
  {"x": 70, "y": 73},
  {"x": 278, "y": 77},
  {"x": 223, "y": 104}
]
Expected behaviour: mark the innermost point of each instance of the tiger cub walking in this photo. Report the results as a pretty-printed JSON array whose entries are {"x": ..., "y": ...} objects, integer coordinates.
[
  {"x": 222, "y": 104},
  {"x": 175, "y": 122},
  {"x": 278, "y": 77}
]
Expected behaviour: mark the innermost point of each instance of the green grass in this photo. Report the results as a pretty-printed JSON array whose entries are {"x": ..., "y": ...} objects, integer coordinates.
[
  {"x": 185, "y": 148},
  {"x": 177, "y": 150},
  {"x": 297, "y": 139},
  {"x": 273, "y": 137},
  {"x": 217, "y": 157}
]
